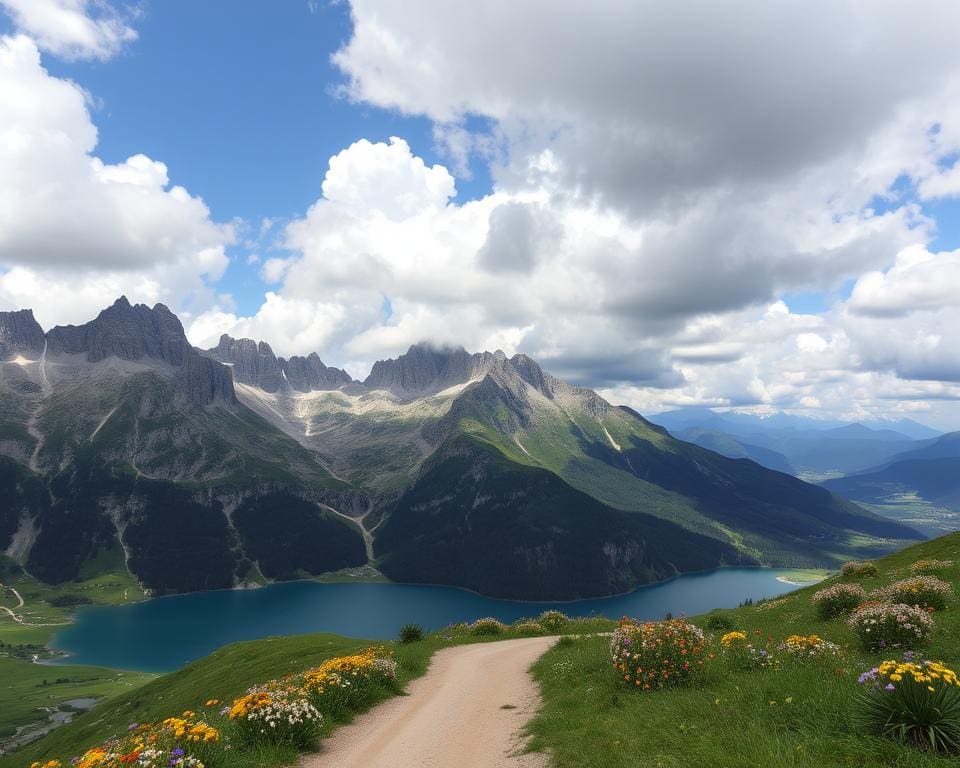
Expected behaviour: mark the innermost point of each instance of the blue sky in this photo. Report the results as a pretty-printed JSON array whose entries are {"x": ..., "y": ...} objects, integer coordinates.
[
  {"x": 769, "y": 221},
  {"x": 240, "y": 101}
]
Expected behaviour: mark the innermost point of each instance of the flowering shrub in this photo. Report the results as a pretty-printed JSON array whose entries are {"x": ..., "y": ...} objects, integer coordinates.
[
  {"x": 925, "y": 591},
  {"x": 808, "y": 647},
  {"x": 276, "y": 717},
  {"x": 341, "y": 682},
  {"x": 741, "y": 654},
  {"x": 658, "y": 654},
  {"x": 917, "y": 703},
  {"x": 837, "y": 600},
  {"x": 529, "y": 627},
  {"x": 930, "y": 565},
  {"x": 733, "y": 639},
  {"x": 176, "y": 742},
  {"x": 282, "y": 711},
  {"x": 857, "y": 569},
  {"x": 891, "y": 626},
  {"x": 553, "y": 621},
  {"x": 487, "y": 626},
  {"x": 385, "y": 670}
]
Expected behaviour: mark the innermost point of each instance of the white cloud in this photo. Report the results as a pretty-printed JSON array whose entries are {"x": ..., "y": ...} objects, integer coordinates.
[
  {"x": 290, "y": 325},
  {"x": 74, "y": 29},
  {"x": 386, "y": 178},
  {"x": 918, "y": 280},
  {"x": 598, "y": 297},
  {"x": 74, "y": 226},
  {"x": 647, "y": 102}
]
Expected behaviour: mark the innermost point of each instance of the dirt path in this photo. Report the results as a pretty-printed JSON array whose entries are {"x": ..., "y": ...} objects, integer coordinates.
[
  {"x": 454, "y": 715},
  {"x": 16, "y": 594}
]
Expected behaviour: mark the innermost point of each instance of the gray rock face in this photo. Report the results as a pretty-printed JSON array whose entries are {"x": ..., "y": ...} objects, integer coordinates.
[
  {"x": 137, "y": 333},
  {"x": 424, "y": 369},
  {"x": 306, "y": 374},
  {"x": 20, "y": 334},
  {"x": 251, "y": 363},
  {"x": 256, "y": 364},
  {"x": 530, "y": 371}
]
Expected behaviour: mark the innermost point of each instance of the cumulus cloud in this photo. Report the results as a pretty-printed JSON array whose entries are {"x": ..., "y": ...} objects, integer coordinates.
[
  {"x": 918, "y": 280},
  {"x": 74, "y": 29},
  {"x": 73, "y": 225},
  {"x": 386, "y": 178},
  {"x": 647, "y": 102},
  {"x": 594, "y": 293},
  {"x": 664, "y": 174}
]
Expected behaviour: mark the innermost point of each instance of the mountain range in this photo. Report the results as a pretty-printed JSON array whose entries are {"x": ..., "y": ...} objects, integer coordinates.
[
  {"x": 796, "y": 444},
  {"x": 121, "y": 445},
  {"x": 929, "y": 473}
]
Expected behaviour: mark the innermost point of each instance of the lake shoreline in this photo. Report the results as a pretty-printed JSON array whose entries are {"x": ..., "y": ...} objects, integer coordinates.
[{"x": 158, "y": 634}]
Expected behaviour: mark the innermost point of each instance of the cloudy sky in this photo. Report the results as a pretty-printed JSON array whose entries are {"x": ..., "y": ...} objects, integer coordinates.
[{"x": 732, "y": 204}]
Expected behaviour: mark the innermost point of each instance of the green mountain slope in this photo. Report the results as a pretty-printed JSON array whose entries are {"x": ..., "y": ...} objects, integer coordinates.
[
  {"x": 476, "y": 519},
  {"x": 129, "y": 449},
  {"x": 153, "y": 457},
  {"x": 619, "y": 458}
]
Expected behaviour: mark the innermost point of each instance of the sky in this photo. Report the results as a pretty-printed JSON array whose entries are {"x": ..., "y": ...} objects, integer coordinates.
[{"x": 676, "y": 203}]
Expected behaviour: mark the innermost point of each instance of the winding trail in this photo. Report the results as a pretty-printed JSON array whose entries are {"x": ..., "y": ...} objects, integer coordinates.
[
  {"x": 14, "y": 616},
  {"x": 453, "y": 716}
]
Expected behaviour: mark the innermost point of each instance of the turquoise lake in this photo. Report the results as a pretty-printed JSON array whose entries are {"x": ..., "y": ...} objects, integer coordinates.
[{"x": 165, "y": 633}]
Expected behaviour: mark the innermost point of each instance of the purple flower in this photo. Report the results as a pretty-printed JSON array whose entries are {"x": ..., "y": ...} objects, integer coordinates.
[
  {"x": 889, "y": 687},
  {"x": 178, "y": 752},
  {"x": 133, "y": 726}
]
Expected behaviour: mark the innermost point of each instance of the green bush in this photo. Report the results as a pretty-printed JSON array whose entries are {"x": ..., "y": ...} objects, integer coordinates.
[
  {"x": 721, "y": 621},
  {"x": 837, "y": 600},
  {"x": 925, "y": 591},
  {"x": 411, "y": 633},
  {"x": 487, "y": 626},
  {"x": 528, "y": 627},
  {"x": 885, "y": 625},
  {"x": 857, "y": 569},
  {"x": 553, "y": 621}
]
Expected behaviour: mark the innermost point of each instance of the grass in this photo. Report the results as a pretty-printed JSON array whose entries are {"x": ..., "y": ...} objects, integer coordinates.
[
  {"x": 224, "y": 674},
  {"x": 228, "y": 672},
  {"x": 797, "y": 717},
  {"x": 28, "y": 690}
]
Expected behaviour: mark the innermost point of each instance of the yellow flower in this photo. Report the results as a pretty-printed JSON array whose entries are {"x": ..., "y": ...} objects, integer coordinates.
[{"x": 732, "y": 637}]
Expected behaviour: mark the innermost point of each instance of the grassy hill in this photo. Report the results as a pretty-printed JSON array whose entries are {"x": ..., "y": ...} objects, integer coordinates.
[
  {"x": 224, "y": 674},
  {"x": 798, "y": 716}
]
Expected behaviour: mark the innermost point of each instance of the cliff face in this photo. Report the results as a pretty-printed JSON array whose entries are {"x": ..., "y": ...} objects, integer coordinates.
[
  {"x": 256, "y": 364},
  {"x": 20, "y": 334},
  {"x": 137, "y": 333},
  {"x": 425, "y": 369}
]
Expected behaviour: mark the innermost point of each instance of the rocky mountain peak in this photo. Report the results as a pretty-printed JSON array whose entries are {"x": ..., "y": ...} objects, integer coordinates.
[
  {"x": 138, "y": 332},
  {"x": 426, "y": 368},
  {"x": 255, "y": 364},
  {"x": 530, "y": 371},
  {"x": 20, "y": 334}
]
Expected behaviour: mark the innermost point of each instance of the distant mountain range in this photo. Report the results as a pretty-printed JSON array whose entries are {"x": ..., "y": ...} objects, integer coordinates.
[
  {"x": 930, "y": 473},
  {"x": 121, "y": 444},
  {"x": 796, "y": 444}
]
